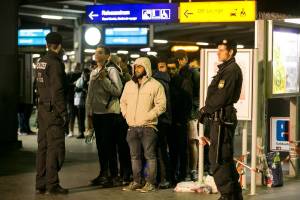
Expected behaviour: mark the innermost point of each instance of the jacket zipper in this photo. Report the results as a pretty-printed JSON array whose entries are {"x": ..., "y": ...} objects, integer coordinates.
[{"x": 138, "y": 95}]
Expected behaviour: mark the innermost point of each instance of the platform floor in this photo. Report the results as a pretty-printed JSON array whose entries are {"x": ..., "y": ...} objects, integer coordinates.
[{"x": 17, "y": 178}]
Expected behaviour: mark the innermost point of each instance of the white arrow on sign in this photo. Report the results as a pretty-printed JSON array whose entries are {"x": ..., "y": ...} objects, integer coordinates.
[{"x": 92, "y": 15}]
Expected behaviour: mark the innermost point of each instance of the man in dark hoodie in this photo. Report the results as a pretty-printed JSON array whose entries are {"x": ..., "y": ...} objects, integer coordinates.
[
  {"x": 181, "y": 102},
  {"x": 164, "y": 127}
]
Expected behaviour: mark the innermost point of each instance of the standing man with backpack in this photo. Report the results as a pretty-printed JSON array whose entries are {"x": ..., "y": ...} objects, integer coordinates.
[{"x": 103, "y": 106}]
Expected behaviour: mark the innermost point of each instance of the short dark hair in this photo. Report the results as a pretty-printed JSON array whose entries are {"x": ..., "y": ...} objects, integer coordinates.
[
  {"x": 153, "y": 61},
  {"x": 162, "y": 59},
  {"x": 180, "y": 54},
  {"x": 173, "y": 61},
  {"x": 106, "y": 49},
  {"x": 124, "y": 58}
]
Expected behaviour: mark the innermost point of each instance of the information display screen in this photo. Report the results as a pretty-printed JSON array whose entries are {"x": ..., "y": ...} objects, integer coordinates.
[
  {"x": 285, "y": 62},
  {"x": 120, "y": 36},
  {"x": 32, "y": 37}
]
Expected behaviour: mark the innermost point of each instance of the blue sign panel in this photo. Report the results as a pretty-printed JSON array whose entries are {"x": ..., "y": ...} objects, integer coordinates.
[
  {"x": 126, "y": 36},
  {"x": 282, "y": 130},
  {"x": 132, "y": 13},
  {"x": 32, "y": 37}
]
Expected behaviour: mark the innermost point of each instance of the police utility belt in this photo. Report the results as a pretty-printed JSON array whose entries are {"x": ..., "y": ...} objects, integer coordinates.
[{"x": 219, "y": 116}]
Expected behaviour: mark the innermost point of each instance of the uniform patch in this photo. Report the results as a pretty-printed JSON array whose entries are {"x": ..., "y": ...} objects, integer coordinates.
[
  {"x": 41, "y": 65},
  {"x": 221, "y": 84}
]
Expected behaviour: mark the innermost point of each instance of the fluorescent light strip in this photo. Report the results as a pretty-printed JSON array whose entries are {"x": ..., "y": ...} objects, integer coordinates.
[
  {"x": 152, "y": 53},
  {"x": 122, "y": 52},
  {"x": 202, "y": 43},
  {"x": 89, "y": 50},
  {"x": 160, "y": 41},
  {"x": 145, "y": 49},
  {"x": 56, "y": 17}
]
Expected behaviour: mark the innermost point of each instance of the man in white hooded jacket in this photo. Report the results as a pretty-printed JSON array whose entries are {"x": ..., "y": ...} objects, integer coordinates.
[{"x": 142, "y": 101}]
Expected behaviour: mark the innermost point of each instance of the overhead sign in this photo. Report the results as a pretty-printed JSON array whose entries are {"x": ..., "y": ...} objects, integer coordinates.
[
  {"x": 221, "y": 11},
  {"x": 280, "y": 131},
  {"x": 132, "y": 13}
]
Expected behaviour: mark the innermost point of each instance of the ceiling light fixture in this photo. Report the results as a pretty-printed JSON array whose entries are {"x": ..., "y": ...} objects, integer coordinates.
[
  {"x": 56, "y": 17},
  {"x": 152, "y": 53},
  {"x": 134, "y": 55},
  {"x": 145, "y": 49},
  {"x": 122, "y": 52},
  {"x": 160, "y": 41},
  {"x": 89, "y": 51},
  {"x": 92, "y": 36},
  {"x": 185, "y": 48},
  {"x": 202, "y": 43}
]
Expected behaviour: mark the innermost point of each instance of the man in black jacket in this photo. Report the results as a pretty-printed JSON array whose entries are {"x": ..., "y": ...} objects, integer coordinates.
[
  {"x": 223, "y": 92},
  {"x": 52, "y": 117}
]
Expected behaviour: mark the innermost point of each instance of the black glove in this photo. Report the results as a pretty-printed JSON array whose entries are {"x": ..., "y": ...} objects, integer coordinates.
[
  {"x": 201, "y": 115},
  {"x": 65, "y": 120}
]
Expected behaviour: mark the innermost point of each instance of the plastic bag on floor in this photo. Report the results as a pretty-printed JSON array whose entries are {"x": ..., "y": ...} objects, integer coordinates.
[
  {"x": 188, "y": 186},
  {"x": 208, "y": 186},
  {"x": 209, "y": 180}
]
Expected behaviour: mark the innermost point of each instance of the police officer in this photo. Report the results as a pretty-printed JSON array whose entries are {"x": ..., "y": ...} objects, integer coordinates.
[
  {"x": 52, "y": 117},
  {"x": 223, "y": 92}
]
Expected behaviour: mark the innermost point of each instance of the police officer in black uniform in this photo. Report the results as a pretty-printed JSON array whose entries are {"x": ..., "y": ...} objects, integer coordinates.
[
  {"x": 52, "y": 117},
  {"x": 223, "y": 92}
]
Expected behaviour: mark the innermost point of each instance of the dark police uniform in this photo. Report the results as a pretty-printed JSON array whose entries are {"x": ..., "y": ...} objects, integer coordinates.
[
  {"x": 223, "y": 92},
  {"x": 52, "y": 115}
]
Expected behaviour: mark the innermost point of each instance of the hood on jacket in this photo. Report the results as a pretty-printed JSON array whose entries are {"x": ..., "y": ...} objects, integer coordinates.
[{"x": 145, "y": 62}]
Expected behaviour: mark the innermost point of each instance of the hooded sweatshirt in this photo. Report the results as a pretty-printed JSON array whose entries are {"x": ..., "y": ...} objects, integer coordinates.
[{"x": 141, "y": 105}]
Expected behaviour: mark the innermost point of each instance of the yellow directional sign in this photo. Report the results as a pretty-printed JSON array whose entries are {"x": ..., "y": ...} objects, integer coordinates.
[{"x": 221, "y": 11}]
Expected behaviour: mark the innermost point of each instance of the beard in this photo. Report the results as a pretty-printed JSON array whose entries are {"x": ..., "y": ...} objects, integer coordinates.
[{"x": 136, "y": 76}]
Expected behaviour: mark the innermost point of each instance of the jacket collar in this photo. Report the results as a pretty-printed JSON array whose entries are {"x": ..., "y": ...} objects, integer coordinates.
[
  {"x": 54, "y": 54},
  {"x": 226, "y": 63}
]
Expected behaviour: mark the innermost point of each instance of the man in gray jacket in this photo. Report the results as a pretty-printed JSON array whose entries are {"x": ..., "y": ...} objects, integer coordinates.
[
  {"x": 142, "y": 101},
  {"x": 103, "y": 106}
]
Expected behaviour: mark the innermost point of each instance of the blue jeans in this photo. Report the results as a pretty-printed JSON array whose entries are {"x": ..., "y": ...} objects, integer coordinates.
[{"x": 146, "y": 138}]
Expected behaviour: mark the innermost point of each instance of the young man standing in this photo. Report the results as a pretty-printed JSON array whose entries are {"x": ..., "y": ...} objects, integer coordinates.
[{"x": 142, "y": 101}]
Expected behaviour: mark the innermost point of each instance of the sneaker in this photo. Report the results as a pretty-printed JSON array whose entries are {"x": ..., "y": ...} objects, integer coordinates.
[
  {"x": 70, "y": 134},
  {"x": 40, "y": 191},
  {"x": 164, "y": 184},
  {"x": 132, "y": 186},
  {"x": 81, "y": 136},
  {"x": 194, "y": 175},
  {"x": 57, "y": 190},
  {"x": 148, "y": 188},
  {"x": 99, "y": 180}
]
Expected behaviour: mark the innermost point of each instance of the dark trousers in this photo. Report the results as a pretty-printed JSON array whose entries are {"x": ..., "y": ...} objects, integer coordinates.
[
  {"x": 80, "y": 114},
  {"x": 178, "y": 152},
  {"x": 24, "y": 113},
  {"x": 223, "y": 168},
  {"x": 51, "y": 148},
  {"x": 163, "y": 157},
  {"x": 143, "y": 139},
  {"x": 105, "y": 132},
  {"x": 123, "y": 148}
]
